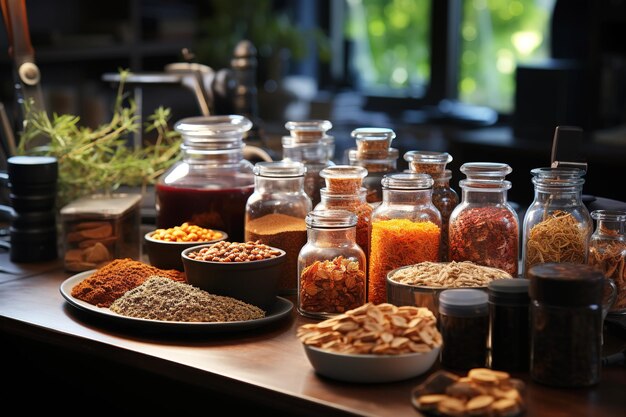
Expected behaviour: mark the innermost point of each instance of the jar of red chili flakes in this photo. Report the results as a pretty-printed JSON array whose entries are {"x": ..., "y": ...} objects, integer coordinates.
[
  {"x": 331, "y": 266},
  {"x": 484, "y": 228}
]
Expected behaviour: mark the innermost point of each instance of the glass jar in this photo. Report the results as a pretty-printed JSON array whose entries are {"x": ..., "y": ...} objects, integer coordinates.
[
  {"x": 607, "y": 251},
  {"x": 210, "y": 186},
  {"x": 310, "y": 144},
  {"x": 566, "y": 324},
  {"x": 464, "y": 326},
  {"x": 374, "y": 153},
  {"x": 331, "y": 266},
  {"x": 484, "y": 228},
  {"x": 557, "y": 225},
  {"x": 509, "y": 330},
  {"x": 445, "y": 198},
  {"x": 406, "y": 229},
  {"x": 275, "y": 214}
]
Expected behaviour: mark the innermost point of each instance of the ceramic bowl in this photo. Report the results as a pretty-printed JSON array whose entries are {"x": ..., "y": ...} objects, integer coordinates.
[
  {"x": 368, "y": 368},
  {"x": 167, "y": 255},
  {"x": 254, "y": 282}
]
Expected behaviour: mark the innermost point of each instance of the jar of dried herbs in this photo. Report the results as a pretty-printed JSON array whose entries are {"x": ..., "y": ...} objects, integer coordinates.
[
  {"x": 557, "y": 225},
  {"x": 484, "y": 228},
  {"x": 331, "y": 265}
]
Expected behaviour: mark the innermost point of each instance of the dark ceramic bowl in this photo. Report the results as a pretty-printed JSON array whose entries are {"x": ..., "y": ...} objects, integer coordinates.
[
  {"x": 167, "y": 255},
  {"x": 254, "y": 282}
]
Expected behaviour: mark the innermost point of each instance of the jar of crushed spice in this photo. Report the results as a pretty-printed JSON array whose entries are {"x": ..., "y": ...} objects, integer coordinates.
[
  {"x": 310, "y": 144},
  {"x": 484, "y": 228},
  {"x": 331, "y": 266},
  {"x": 557, "y": 225},
  {"x": 406, "y": 229},
  {"x": 275, "y": 214},
  {"x": 607, "y": 251},
  {"x": 464, "y": 325},
  {"x": 445, "y": 198}
]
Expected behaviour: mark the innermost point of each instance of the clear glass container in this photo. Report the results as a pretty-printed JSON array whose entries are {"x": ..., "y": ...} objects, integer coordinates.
[
  {"x": 210, "y": 186},
  {"x": 310, "y": 144},
  {"x": 483, "y": 227},
  {"x": 445, "y": 198},
  {"x": 275, "y": 214},
  {"x": 406, "y": 229},
  {"x": 331, "y": 266},
  {"x": 557, "y": 224},
  {"x": 607, "y": 251}
]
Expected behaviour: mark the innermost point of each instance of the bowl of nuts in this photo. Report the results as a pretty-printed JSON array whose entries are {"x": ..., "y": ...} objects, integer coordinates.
[
  {"x": 248, "y": 271},
  {"x": 164, "y": 246},
  {"x": 373, "y": 343}
]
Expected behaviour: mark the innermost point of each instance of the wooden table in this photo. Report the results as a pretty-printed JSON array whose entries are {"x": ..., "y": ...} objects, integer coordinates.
[{"x": 64, "y": 359}]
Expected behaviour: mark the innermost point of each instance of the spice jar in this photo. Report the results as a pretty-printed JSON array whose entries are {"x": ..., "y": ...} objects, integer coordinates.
[
  {"x": 566, "y": 324},
  {"x": 275, "y": 214},
  {"x": 607, "y": 251},
  {"x": 331, "y": 266},
  {"x": 509, "y": 331},
  {"x": 557, "y": 225},
  {"x": 310, "y": 144},
  {"x": 406, "y": 229},
  {"x": 464, "y": 325},
  {"x": 444, "y": 196},
  {"x": 374, "y": 153},
  {"x": 484, "y": 228},
  {"x": 210, "y": 186}
]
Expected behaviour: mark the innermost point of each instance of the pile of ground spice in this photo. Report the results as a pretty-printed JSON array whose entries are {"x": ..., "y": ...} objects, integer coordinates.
[
  {"x": 111, "y": 281},
  {"x": 160, "y": 298}
]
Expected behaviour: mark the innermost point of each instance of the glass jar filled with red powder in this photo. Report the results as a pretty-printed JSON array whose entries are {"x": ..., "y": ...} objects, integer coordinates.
[
  {"x": 406, "y": 229},
  {"x": 484, "y": 228},
  {"x": 209, "y": 187}
]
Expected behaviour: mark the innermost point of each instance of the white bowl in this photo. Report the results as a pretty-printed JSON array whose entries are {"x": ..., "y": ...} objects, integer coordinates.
[{"x": 368, "y": 368}]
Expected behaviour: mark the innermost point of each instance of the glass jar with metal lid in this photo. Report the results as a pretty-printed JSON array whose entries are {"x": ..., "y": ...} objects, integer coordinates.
[
  {"x": 209, "y": 187},
  {"x": 557, "y": 224},
  {"x": 331, "y": 266},
  {"x": 275, "y": 214},
  {"x": 483, "y": 227}
]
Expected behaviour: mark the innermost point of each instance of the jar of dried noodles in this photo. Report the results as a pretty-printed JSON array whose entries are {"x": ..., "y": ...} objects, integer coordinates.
[{"x": 557, "y": 225}]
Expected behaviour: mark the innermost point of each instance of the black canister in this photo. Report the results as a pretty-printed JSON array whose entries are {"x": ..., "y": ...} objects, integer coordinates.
[
  {"x": 566, "y": 324},
  {"x": 509, "y": 331}
]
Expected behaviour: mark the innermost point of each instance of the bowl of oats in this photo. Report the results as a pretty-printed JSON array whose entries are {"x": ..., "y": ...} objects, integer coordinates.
[{"x": 373, "y": 343}]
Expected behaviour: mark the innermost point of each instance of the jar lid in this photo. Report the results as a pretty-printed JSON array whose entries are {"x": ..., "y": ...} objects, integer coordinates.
[
  {"x": 101, "y": 206},
  {"x": 463, "y": 302},
  {"x": 407, "y": 181},
  {"x": 566, "y": 284},
  {"x": 330, "y": 219},
  {"x": 24, "y": 169},
  {"x": 280, "y": 169},
  {"x": 609, "y": 215},
  {"x": 486, "y": 170},
  {"x": 214, "y": 126},
  {"x": 562, "y": 176},
  {"x": 509, "y": 291},
  {"x": 428, "y": 157},
  {"x": 308, "y": 130}
]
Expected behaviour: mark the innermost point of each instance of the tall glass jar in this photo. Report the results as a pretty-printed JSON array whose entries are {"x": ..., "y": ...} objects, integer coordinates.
[
  {"x": 607, "y": 251},
  {"x": 331, "y": 266},
  {"x": 484, "y": 228},
  {"x": 209, "y": 187},
  {"x": 444, "y": 196},
  {"x": 310, "y": 144},
  {"x": 275, "y": 214},
  {"x": 557, "y": 225},
  {"x": 406, "y": 229}
]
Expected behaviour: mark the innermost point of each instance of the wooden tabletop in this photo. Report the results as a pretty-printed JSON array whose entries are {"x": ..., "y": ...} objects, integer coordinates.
[{"x": 255, "y": 370}]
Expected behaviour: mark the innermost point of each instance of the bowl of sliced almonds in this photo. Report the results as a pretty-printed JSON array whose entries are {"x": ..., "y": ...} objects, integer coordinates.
[{"x": 373, "y": 343}]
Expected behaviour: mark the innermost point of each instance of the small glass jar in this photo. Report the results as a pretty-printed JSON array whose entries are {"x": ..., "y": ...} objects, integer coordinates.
[
  {"x": 331, "y": 266},
  {"x": 607, "y": 251},
  {"x": 275, "y": 214},
  {"x": 210, "y": 186},
  {"x": 484, "y": 228},
  {"x": 310, "y": 144},
  {"x": 464, "y": 326},
  {"x": 566, "y": 324},
  {"x": 509, "y": 329},
  {"x": 557, "y": 224},
  {"x": 406, "y": 229}
]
